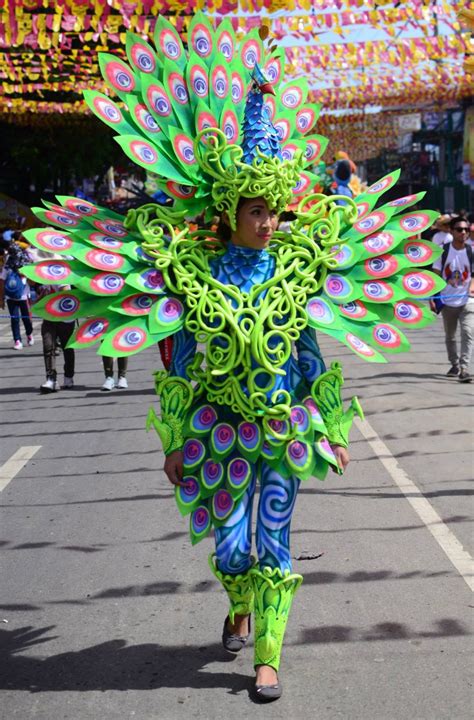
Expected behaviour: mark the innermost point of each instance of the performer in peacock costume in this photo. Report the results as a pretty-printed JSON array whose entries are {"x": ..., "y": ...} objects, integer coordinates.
[{"x": 225, "y": 137}]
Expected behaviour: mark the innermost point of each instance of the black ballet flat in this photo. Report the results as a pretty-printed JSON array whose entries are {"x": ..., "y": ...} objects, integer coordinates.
[
  {"x": 267, "y": 693},
  {"x": 233, "y": 643}
]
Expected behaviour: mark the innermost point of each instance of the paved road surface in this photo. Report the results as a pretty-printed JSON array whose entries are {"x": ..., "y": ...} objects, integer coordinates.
[{"x": 107, "y": 613}]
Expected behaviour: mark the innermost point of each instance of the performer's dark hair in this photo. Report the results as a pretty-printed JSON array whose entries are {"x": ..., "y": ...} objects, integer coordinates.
[{"x": 224, "y": 231}]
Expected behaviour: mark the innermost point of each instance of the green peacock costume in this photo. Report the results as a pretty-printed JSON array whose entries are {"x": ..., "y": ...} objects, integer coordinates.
[{"x": 214, "y": 124}]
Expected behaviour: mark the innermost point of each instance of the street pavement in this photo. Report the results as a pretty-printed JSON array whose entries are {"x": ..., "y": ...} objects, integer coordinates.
[{"x": 108, "y": 613}]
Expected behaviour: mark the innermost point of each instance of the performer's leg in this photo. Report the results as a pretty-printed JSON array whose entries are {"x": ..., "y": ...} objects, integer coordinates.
[
  {"x": 275, "y": 510},
  {"x": 274, "y": 583},
  {"x": 232, "y": 560}
]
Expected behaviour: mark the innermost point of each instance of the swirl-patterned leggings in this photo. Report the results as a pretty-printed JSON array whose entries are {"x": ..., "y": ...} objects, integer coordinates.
[{"x": 275, "y": 509}]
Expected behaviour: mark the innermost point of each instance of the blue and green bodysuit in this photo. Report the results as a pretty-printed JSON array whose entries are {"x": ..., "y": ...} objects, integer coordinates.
[{"x": 245, "y": 269}]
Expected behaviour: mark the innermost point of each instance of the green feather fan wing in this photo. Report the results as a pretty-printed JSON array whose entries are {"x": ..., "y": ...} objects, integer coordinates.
[
  {"x": 374, "y": 290},
  {"x": 117, "y": 292}
]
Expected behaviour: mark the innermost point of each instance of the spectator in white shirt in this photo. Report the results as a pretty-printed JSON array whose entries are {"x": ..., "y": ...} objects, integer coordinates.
[{"x": 456, "y": 267}]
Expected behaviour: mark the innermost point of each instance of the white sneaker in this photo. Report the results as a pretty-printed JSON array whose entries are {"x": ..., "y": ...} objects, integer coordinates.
[
  {"x": 109, "y": 384},
  {"x": 68, "y": 383},
  {"x": 50, "y": 386},
  {"x": 30, "y": 339},
  {"x": 17, "y": 345},
  {"x": 122, "y": 383}
]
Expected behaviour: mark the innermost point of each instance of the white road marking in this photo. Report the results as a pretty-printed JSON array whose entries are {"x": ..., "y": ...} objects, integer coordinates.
[
  {"x": 16, "y": 463},
  {"x": 445, "y": 538}
]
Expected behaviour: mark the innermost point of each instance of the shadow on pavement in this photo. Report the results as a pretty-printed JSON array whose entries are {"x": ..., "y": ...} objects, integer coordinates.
[
  {"x": 112, "y": 665},
  {"x": 443, "y": 628},
  {"x": 154, "y": 496}
]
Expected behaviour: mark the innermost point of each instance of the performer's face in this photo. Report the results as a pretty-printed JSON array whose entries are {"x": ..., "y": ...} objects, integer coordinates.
[{"x": 256, "y": 224}]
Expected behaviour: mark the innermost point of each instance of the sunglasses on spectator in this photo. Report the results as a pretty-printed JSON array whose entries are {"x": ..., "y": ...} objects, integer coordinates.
[{"x": 461, "y": 229}]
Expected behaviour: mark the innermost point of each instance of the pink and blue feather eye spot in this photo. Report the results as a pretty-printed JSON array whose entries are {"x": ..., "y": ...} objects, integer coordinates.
[
  {"x": 415, "y": 222},
  {"x": 53, "y": 241},
  {"x": 119, "y": 75},
  {"x": 202, "y": 41},
  {"x": 189, "y": 492},
  {"x": 359, "y": 346},
  {"x": 417, "y": 252},
  {"x": 200, "y": 523},
  {"x": 211, "y": 474},
  {"x": 225, "y": 45},
  {"x": 377, "y": 291},
  {"x": 239, "y": 473},
  {"x": 203, "y": 419},
  {"x": 379, "y": 243},
  {"x": 381, "y": 185},
  {"x": 249, "y": 435},
  {"x": 386, "y": 336},
  {"x": 222, "y": 505},
  {"x": 170, "y": 44},
  {"x": 53, "y": 271},
  {"x": 407, "y": 312},
  {"x": 193, "y": 453},
  {"x": 300, "y": 419},
  {"x": 338, "y": 287},
  {"x": 223, "y": 438},
  {"x": 251, "y": 53},
  {"x": 169, "y": 311},
  {"x": 354, "y": 310},
  {"x": 320, "y": 311},
  {"x": 91, "y": 331},
  {"x": 129, "y": 339},
  {"x": 419, "y": 283},
  {"x": 382, "y": 266},
  {"x": 63, "y": 306},
  {"x": 106, "y": 283},
  {"x": 138, "y": 304},
  {"x": 371, "y": 223},
  {"x": 142, "y": 58}
]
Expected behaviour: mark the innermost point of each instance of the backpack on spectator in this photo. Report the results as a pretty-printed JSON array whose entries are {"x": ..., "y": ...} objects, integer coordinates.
[{"x": 14, "y": 285}]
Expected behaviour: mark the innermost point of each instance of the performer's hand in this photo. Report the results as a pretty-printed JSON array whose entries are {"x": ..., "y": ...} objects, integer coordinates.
[
  {"x": 342, "y": 456},
  {"x": 174, "y": 468}
]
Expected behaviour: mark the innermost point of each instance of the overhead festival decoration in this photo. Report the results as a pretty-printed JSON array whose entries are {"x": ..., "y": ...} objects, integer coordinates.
[{"x": 357, "y": 54}]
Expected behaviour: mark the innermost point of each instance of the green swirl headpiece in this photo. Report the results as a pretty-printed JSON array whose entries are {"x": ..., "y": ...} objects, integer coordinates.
[{"x": 266, "y": 177}]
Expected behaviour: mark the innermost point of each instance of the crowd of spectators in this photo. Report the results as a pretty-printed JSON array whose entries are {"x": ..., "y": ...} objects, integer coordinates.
[{"x": 17, "y": 298}]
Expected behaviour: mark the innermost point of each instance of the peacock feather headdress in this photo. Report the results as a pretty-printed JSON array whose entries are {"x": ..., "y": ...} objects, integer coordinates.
[
  {"x": 205, "y": 120},
  {"x": 211, "y": 121}
]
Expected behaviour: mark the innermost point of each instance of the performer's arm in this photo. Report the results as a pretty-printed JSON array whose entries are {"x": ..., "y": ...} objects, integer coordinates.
[
  {"x": 184, "y": 350},
  {"x": 325, "y": 390},
  {"x": 310, "y": 359},
  {"x": 176, "y": 396}
]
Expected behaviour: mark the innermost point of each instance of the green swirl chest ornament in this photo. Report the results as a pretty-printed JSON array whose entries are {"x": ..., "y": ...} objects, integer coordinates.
[{"x": 248, "y": 336}]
